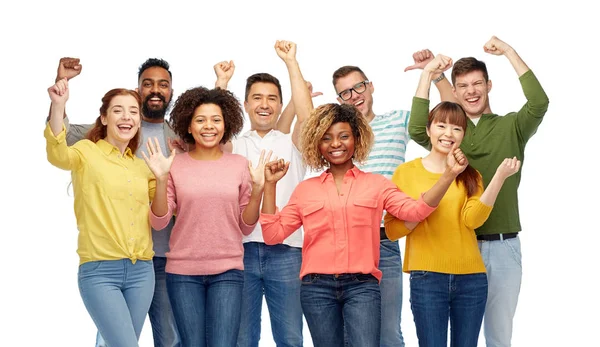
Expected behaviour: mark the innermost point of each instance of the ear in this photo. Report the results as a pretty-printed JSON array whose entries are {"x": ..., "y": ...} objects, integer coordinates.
[
  {"x": 137, "y": 90},
  {"x": 103, "y": 120},
  {"x": 489, "y": 85},
  {"x": 371, "y": 87},
  {"x": 246, "y": 107},
  {"x": 427, "y": 131},
  {"x": 340, "y": 100},
  {"x": 454, "y": 93}
]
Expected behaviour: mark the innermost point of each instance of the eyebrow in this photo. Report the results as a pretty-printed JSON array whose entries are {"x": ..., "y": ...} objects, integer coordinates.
[
  {"x": 261, "y": 94},
  {"x": 153, "y": 80}
]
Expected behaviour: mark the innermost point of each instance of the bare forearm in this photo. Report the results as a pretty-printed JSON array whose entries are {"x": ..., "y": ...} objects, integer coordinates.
[
  {"x": 424, "y": 84},
  {"x": 284, "y": 123},
  {"x": 434, "y": 195},
  {"x": 159, "y": 205},
  {"x": 269, "y": 205},
  {"x": 300, "y": 93},
  {"x": 516, "y": 61},
  {"x": 56, "y": 117},
  {"x": 445, "y": 89},
  {"x": 221, "y": 83},
  {"x": 491, "y": 192},
  {"x": 251, "y": 212}
]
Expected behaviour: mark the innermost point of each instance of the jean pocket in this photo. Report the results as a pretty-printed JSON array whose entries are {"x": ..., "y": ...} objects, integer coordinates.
[
  {"x": 415, "y": 275},
  {"x": 90, "y": 266},
  {"x": 310, "y": 278}
]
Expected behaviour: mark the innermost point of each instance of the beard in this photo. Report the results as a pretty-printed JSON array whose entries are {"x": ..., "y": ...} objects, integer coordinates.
[{"x": 155, "y": 113}]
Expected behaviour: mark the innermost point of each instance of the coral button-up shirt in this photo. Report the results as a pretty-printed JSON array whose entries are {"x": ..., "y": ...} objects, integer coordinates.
[{"x": 341, "y": 230}]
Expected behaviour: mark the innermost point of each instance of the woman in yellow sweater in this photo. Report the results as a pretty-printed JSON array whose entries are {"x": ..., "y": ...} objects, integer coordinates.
[{"x": 447, "y": 275}]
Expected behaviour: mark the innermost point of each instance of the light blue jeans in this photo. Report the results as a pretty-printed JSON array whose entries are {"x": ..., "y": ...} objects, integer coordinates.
[
  {"x": 502, "y": 260},
  {"x": 117, "y": 295},
  {"x": 272, "y": 271},
  {"x": 390, "y": 264},
  {"x": 164, "y": 329}
]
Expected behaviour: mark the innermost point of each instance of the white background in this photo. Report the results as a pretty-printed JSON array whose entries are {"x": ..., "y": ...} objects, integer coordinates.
[{"x": 40, "y": 302}]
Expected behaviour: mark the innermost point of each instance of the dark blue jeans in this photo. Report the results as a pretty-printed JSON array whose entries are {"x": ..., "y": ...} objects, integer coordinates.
[
  {"x": 390, "y": 264},
  {"x": 437, "y": 297},
  {"x": 207, "y": 307},
  {"x": 334, "y": 302},
  {"x": 273, "y": 271}
]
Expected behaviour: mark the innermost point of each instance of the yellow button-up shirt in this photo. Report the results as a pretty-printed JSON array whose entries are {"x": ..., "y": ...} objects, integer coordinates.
[{"x": 112, "y": 198}]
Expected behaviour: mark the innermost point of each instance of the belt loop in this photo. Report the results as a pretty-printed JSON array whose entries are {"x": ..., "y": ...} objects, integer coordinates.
[{"x": 501, "y": 237}]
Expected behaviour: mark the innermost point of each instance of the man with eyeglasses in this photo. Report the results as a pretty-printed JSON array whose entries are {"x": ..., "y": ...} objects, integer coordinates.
[{"x": 391, "y": 136}]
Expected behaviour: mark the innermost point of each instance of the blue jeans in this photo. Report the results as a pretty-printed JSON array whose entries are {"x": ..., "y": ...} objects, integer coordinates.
[
  {"x": 164, "y": 329},
  {"x": 275, "y": 272},
  {"x": 117, "y": 294},
  {"x": 390, "y": 264},
  {"x": 207, "y": 307},
  {"x": 503, "y": 264},
  {"x": 342, "y": 310},
  {"x": 435, "y": 297}
]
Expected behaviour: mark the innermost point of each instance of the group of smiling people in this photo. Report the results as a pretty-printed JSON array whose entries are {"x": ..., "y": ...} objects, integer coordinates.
[{"x": 220, "y": 193}]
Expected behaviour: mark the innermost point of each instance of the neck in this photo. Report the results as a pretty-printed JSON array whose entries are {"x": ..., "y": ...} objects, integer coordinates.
[
  {"x": 153, "y": 120},
  {"x": 435, "y": 162},
  {"x": 262, "y": 133},
  {"x": 370, "y": 116},
  {"x": 203, "y": 153}
]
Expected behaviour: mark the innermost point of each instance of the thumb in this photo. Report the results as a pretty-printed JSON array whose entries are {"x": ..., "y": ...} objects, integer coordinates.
[{"x": 412, "y": 67}]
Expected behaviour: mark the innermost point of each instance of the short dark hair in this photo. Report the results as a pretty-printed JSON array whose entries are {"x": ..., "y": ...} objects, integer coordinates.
[
  {"x": 262, "y": 77},
  {"x": 186, "y": 104},
  {"x": 152, "y": 62},
  {"x": 466, "y": 65},
  {"x": 345, "y": 71}
]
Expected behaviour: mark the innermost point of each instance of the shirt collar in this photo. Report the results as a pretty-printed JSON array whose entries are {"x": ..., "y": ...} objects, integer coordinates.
[
  {"x": 107, "y": 148},
  {"x": 254, "y": 133},
  {"x": 354, "y": 172}
]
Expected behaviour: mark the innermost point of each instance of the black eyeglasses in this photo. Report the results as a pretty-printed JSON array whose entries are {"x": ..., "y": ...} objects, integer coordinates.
[{"x": 358, "y": 88}]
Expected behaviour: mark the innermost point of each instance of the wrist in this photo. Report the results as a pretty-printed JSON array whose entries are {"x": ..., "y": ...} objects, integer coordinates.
[{"x": 438, "y": 78}]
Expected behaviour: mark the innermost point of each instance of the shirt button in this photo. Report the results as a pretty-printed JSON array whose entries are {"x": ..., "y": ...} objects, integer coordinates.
[{"x": 129, "y": 194}]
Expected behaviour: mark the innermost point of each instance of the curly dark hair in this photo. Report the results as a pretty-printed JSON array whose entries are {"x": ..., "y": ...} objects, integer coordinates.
[
  {"x": 152, "y": 62},
  {"x": 186, "y": 104},
  {"x": 324, "y": 117}
]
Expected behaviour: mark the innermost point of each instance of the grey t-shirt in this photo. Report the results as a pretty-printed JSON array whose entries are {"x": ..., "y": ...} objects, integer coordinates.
[{"x": 159, "y": 238}]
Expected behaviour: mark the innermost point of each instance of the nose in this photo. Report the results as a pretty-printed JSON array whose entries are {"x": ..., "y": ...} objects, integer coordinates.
[
  {"x": 448, "y": 131},
  {"x": 154, "y": 88},
  {"x": 264, "y": 103},
  {"x": 470, "y": 89},
  {"x": 335, "y": 143},
  {"x": 209, "y": 124}
]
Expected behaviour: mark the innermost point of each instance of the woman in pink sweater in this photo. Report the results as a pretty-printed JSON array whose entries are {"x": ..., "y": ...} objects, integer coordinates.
[{"x": 216, "y": 197}]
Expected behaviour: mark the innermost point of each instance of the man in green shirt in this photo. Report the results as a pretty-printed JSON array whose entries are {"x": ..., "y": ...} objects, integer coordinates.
[{"x": 488, "y": 140}]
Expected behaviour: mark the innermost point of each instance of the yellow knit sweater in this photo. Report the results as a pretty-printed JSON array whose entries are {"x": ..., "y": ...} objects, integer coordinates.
[{"x": 445, "y": 242}]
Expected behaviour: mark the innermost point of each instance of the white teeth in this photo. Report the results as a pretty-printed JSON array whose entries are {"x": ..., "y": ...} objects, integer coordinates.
[
  {"x": 263, "y": 114},
  {"x": 336, "y": 153},
  {"x": 359, "y": 102},
  {"x": 446, "y": 142},
  {"x": 208, "y": 135}
]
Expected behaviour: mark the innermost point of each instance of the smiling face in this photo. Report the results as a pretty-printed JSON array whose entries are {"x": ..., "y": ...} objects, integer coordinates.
[
  {"x": 446, "y": 127},
  {"x": 122, "y": 119},
  {"x": 363, "y": 101},
  {"x": 263, "y": 106},
  {"x": 471, "y": 91},
  {"x": 156, "y": 92},
  {"x": 337, "y": 146},
  {"x": 207, "y": 126}
]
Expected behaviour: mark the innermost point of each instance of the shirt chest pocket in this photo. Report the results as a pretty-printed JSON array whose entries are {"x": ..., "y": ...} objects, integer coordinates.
[
  {"x": 313, "y": 217},
  {"x": 363, "y": 212}
]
